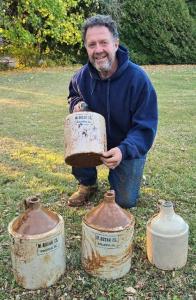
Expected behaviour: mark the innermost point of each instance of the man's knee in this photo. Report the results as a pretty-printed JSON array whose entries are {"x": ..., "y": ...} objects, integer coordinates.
[{"x": 127, "y": 199}]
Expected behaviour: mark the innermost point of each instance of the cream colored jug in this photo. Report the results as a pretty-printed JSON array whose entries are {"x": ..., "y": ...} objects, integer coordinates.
[
  {"x": 85, "y": 139},
  {"x": 167, "y": 239}
]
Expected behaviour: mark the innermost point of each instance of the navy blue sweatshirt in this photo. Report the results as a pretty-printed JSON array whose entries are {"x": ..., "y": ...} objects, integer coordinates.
[{"x": 127, "y": 100}]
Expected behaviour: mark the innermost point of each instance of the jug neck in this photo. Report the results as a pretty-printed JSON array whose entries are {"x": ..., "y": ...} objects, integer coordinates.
[
  {"x": 166, "y": 209},
  {"x": 32, "y": 202},
  {"x": 109, "y": 197}
]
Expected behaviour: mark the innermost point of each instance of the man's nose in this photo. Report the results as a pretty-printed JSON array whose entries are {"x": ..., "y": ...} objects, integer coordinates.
[{"x": 98, "y": 48}]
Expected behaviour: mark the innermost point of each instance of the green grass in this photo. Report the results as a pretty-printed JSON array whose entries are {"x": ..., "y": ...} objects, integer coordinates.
[{"x": 32, "y": 108}]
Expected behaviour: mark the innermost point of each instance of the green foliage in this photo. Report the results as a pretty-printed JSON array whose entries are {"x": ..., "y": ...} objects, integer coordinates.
[
  {"x": 42, "y": 27},
  {"x": 192, "y": 10},
  {"x": 158, "y": 31},
  {"x": 192, "y": 7},
  {"x": 114, "y": 8}
]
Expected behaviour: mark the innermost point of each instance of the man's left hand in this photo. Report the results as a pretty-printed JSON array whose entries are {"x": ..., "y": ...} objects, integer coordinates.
[{"x": 112, "y": 158}]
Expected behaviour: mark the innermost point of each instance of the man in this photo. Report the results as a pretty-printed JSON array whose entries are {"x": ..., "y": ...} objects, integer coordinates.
[{"x": 120, "y": 90}]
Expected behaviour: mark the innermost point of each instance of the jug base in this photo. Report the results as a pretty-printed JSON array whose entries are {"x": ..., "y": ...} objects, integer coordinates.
[{"x": 84, "y": 160}]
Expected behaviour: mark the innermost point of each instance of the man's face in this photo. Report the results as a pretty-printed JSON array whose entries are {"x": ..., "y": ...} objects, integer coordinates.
[{"x": 101, "y": 48}]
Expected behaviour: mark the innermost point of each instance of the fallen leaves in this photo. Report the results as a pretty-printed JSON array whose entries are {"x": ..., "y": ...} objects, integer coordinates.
[{"x": 130, "y": 290}]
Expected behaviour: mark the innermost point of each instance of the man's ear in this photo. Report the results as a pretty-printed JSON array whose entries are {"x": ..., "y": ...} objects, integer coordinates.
[{"x": 116, "y": 43}]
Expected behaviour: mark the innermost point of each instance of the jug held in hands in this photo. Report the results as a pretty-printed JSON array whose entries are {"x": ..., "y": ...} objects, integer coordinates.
[
  {"x": 167, "y": 239},
  {"x": 37, "y": 246},
  {"x": 85, "y": 139},
  {"x": 107, "y": 237}
]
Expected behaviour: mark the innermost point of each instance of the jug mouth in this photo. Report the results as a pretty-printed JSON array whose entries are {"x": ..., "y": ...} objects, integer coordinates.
[
  {"x": 167, "y": 203},
  {"x": 32, "y": 202},
  {"x": 109, "y": 196}
]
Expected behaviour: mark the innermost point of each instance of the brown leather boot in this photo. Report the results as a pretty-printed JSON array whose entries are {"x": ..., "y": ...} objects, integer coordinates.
[{"x": 82, "y": 195}]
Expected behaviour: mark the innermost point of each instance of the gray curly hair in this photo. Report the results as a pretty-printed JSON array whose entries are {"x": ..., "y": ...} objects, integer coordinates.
[{"x": 100, "y": 20}]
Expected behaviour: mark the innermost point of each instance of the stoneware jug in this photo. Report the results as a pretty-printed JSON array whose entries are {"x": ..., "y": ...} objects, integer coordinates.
[
  {"x": 85, "y": 139},
  {"x": 107, "y": 238},
  {"x": 167, "y": 238},
  {"x": 37, "y": 246}
]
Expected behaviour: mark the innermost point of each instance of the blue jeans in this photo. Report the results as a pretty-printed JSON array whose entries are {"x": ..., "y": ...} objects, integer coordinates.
[{"x": 125, "y": 180}]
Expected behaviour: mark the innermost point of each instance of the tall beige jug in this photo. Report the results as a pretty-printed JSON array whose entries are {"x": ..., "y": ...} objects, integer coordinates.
[
  {"x": 107, "y": 238},
  {"x": 85, "y": 139},
  {"x": 37, "y": 246},
  {"x": 167, "y": 239}
]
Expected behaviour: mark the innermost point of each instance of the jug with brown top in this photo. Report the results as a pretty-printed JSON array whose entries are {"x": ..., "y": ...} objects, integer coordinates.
[
  {"x": 107, "y": 237},
  {"x": 37, "y": 246}
]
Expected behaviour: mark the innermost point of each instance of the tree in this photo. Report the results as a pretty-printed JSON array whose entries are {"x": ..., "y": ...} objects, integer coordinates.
[
  {"x": 192, "y": 10},
  {"x": 43, "y": 27},
  {"x": 114, "y": 8},
  {"x": 158, "y": 31}
]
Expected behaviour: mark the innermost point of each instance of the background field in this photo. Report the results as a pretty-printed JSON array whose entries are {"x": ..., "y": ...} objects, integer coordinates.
[{"x": 32, "y": 111}]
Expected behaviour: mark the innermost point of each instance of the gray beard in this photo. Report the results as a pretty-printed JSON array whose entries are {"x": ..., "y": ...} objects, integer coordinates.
[{"x": 104, "y": 68}]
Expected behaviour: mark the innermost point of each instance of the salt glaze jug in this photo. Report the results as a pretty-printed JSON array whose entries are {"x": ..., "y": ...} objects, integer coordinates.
[
  {"x": 85, "y": 138},
  {"x": 107, "y": 238},
  {"x": 37, "y": 246},
  {"x": 167, "y": 238}
]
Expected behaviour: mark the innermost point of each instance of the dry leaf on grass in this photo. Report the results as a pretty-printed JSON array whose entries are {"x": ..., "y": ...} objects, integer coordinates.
[{"x": 130, "y": 290}]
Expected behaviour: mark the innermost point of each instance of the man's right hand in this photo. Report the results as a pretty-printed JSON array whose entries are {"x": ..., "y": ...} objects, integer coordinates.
[
  {"x": 112, "y": 158},
  {"x": 79, "y": 106}
]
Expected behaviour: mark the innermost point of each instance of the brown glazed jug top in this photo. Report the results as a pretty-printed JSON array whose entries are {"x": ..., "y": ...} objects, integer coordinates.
[
  {"x": 36, "y": 219},
  {"x": 108, "y": 215}
]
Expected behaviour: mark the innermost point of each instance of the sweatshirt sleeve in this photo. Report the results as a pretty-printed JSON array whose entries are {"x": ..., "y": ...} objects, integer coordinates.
[
  {"x": 140, "y": 137},
  {"x": 75, "y": 96}
]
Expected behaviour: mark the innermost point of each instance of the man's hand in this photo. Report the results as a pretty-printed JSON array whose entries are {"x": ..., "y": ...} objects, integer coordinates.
[
  {"x": 112, "y": 158},
  {"x": 79, "y": 106}
]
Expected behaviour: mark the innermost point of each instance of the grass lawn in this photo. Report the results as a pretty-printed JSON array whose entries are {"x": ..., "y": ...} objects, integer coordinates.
[{"x": 32, "y": 109}]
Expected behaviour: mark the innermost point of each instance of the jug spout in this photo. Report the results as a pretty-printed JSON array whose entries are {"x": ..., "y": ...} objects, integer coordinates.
[
  {"x": 32, "y": 202},
  {"x": 109, "y": 196},
  {"x": 166, "y": 209}
]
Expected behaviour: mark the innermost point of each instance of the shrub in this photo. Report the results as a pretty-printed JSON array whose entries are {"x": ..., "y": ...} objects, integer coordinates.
[
  {"x": 36, "y": 29},
  {"x": 158, "y": 31}
]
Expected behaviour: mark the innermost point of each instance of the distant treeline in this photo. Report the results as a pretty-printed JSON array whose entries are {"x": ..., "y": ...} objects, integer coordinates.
[{"x": 48, "y": 32}]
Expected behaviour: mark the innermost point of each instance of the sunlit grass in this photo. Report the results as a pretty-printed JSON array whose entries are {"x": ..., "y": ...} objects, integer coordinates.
[
  {"x": 16, "y": 90},
  {"x": 7, "y": 170},
  {"x": 13, "y": 102},
  {"x": 32, "y": 155},
  {"x": 38, "y": 169}
]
